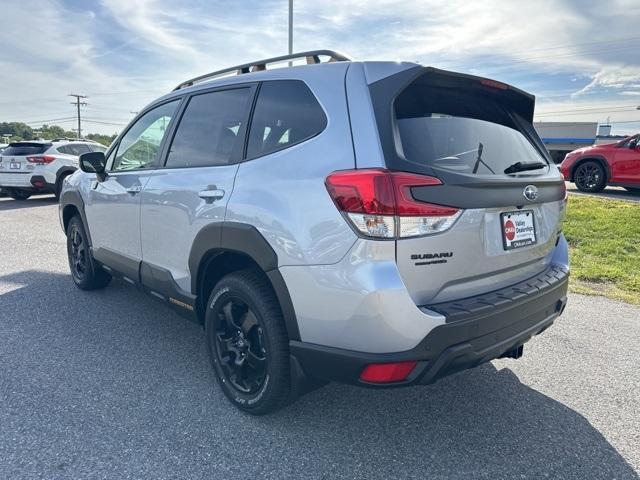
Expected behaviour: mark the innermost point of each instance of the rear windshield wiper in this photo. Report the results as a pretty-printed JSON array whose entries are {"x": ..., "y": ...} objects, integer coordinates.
[{"x": 524, "y": 167}]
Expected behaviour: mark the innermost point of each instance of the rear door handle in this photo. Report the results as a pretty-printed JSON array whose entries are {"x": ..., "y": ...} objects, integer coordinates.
[
  {"x": 135, "y": 189},
  {"x": 211, "y": 194}
]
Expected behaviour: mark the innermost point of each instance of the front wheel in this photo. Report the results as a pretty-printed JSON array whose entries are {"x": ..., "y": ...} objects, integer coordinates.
[
  {"x": 17, "y": 194},
  {"x": 590, "y": 177},
  {"x": 248, "y": 343},
  {"x": 86, "y": 274}
]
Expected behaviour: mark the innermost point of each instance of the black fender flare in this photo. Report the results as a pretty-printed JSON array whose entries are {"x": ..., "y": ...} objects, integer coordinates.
[
  {"x": 247, "y": 240},
  {"x": 66, "y": 170},
  {"x": 597, "y": 158},
  {"x": 72, "y": 198}
]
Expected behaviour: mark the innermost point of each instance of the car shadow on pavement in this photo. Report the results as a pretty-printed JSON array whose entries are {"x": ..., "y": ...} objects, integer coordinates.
[
  {"x": 7, "y": 203},
  {"x": 113, "y": 380}
]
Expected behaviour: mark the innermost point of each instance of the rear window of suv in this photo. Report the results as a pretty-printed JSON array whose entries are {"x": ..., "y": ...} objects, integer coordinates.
[
  {"x": 461, "y": 131},
  {"x": 26, "y": 149}
]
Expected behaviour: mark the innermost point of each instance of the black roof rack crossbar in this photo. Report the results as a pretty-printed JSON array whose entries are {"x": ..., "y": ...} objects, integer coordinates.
[{"x": 311, "y": 57}]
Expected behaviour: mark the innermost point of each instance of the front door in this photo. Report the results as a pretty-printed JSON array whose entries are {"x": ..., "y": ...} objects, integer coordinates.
[
  {"x": 626, "y": 167},
  {"x": 113, "y": 205},
  {"x": 192, "y": 189}
]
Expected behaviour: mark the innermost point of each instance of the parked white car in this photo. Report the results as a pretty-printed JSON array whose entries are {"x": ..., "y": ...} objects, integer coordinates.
[{"x": 41, "y": 166}]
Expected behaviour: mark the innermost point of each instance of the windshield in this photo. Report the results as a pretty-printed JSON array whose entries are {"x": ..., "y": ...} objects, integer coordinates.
[{"x": 462, "y": 130}]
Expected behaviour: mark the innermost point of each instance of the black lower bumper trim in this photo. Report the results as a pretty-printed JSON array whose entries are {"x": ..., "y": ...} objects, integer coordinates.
[
  {"x": 474, "y": 337},
  {"x": 40, "y": 184}
]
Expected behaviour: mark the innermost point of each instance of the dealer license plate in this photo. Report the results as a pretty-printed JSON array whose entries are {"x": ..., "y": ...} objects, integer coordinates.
[{"x": 518, "y": 229}]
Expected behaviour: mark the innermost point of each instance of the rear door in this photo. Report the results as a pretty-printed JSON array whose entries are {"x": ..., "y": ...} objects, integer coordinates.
[
  {"x": 193, "y": 187},
  {"x": 475, "y": 136},
  {"x": 113, "y": 205}
]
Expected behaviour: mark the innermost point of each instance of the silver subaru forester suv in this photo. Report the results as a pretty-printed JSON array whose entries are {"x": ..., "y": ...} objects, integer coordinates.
[{"x": 376, "y": 223}]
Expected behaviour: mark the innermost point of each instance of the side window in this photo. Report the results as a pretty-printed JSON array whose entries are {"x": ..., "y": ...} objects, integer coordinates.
[
  {"x": 98, "y": 148},
  {"x": 78, "y": 148},
  {"x": 64, "y": 149},
  {"x": 286, "y": 113},
  {"x": 140, "y": 146},
  {"x": 208, "y": 133}
]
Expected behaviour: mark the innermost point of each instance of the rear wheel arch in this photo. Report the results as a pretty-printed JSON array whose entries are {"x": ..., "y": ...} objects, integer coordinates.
[{"x": 226, "y": 247}]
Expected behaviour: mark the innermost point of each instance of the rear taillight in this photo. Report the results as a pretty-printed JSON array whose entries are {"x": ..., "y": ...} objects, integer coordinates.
[
  {"x": 41, "y": 159},
  {"x": 379, "y": 203}
]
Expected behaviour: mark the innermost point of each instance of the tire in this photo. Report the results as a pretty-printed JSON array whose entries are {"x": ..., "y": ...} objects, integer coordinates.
[
  {"x": 86, "y": 274},
  {"x": 590, "y": 177},
  {"x": 18, "y": 194},
  {"x": 633, "y": 189},
  {"x": 248, "y": 344}
]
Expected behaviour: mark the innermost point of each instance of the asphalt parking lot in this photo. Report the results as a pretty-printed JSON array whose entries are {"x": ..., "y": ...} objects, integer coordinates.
[{"x": 112, "y": 384}]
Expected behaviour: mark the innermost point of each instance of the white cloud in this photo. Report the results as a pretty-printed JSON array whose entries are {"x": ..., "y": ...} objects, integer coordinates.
[
  {"x": 154, "y": 44},
  {"x": 613, "y": 76}
]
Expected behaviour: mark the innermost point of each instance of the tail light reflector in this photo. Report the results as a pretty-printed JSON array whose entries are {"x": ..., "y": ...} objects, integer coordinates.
[
  {"x": 387, "y": 372},
  {"x": 379, "y": 203},
  {"x": 41, "y": 159}
]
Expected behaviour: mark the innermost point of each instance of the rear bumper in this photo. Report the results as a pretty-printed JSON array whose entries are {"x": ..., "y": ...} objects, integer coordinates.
[
  {"x": 40, "y": 184},
  {"x": 478, "y": 329},
  {"x": 15, "y": 180},
  {"x": 26, "y": 181}
]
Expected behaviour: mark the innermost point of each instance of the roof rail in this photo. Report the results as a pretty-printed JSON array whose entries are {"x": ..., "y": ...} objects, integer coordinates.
[
  {"x": 69, "y": 139},
  {"x": 311, "y": 57}
]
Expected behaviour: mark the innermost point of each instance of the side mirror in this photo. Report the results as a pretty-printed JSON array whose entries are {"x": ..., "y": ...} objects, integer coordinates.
[{"x": 93, "y": 162}]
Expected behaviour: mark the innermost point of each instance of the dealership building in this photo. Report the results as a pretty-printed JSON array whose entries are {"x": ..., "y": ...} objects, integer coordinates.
[{"x": 561, "y": 138}]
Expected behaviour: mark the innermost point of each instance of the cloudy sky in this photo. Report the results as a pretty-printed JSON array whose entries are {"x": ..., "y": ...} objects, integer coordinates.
[{"x": 581, "y": 58}]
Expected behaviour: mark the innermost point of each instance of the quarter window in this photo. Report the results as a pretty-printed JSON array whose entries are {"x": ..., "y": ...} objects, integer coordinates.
[
  {"x": 286, "y": 113},
  {"x": 140, "y": 146},
  {"x": 208, "y": 133}
]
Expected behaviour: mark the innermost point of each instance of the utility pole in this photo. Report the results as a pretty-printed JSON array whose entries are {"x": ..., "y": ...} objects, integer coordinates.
[
  {"x": 290, "y": 27},
  {"x": 78, "y": 103}
]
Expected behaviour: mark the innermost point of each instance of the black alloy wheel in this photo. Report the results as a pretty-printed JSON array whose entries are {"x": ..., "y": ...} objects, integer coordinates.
[
  {"x": 248, "y": 343},
  {"x": 590, "y": 177},
  {"x": 86, "y": 273},
  {"x": 78, "y": 253},
  {"x": 240, "y": 346}
]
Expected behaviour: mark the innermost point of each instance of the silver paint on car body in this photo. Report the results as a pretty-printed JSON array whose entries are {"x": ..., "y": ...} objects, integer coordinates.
[
  {"x": 479, "y": 263},
  {"x": 113, "y": 213},
  {"x": 173, "y": 213},
  {"x": 283, "y": 194},
  {"x": 360, "y": 303}
]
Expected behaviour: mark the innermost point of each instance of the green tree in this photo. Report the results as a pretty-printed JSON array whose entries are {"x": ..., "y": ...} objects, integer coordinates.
[{"x": 16, "y": 130}]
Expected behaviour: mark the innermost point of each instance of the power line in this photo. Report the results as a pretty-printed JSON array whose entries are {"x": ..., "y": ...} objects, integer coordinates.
[
  {"x": 49, "y": 120},
  {"x": 78, "y": 103},
  {"x": 104, "y": 123}
]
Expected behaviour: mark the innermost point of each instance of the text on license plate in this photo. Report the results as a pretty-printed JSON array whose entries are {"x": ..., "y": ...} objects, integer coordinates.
[
  {"x": 14, "y": 166},
  {"x": 518, "y": 229}
]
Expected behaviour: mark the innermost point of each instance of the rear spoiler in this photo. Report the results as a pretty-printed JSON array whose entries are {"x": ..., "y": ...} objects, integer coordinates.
[{"x": 520, "y": 101}]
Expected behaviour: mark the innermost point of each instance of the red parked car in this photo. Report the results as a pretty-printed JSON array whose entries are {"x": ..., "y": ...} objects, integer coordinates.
[{"x": 615, "y": 164}]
